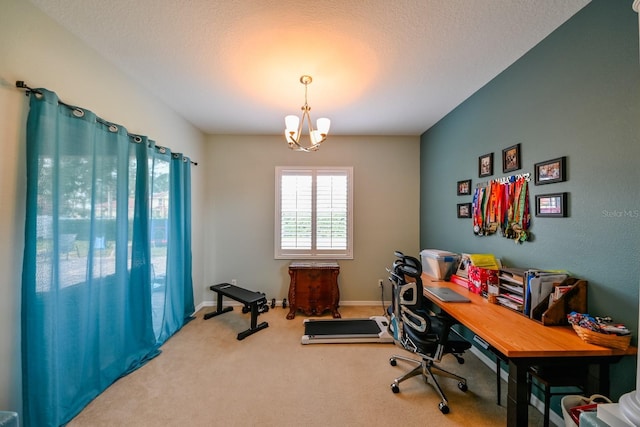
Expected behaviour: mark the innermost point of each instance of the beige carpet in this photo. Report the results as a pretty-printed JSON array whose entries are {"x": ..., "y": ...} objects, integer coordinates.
[{"x": 206, "y": 377}]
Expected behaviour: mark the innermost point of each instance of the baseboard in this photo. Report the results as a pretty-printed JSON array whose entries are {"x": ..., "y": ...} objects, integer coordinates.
[
  {"x": 535, "y": 402},
  {"x": 279, "y": 303},
  {"x": 365, "y": 303}
]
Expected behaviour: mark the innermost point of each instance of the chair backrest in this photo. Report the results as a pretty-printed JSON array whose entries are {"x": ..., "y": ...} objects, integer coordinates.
[
  {"x": 406, "y": 295},
  {"x": 413, "y": 328},
  {"x": 411, "y": 269}
]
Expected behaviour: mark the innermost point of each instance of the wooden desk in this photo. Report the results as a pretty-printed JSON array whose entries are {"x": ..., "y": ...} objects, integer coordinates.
[{"x": 525, "y": 342}]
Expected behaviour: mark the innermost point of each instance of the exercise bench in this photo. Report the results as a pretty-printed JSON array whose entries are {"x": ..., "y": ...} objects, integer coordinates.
[{"x": 254, "y": 302}]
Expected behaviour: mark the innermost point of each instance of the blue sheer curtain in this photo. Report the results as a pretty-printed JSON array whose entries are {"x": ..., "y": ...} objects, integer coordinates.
[
  {"x": 172, "y": 283},
  {"x": 107, "y": 261}
]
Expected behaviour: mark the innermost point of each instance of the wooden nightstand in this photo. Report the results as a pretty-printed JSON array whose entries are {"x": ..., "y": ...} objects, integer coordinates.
[{"x": 314, "y": 288}]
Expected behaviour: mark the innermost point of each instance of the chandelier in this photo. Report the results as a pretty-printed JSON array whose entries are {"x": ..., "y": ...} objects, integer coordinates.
[{"x": 294, "y": 125}]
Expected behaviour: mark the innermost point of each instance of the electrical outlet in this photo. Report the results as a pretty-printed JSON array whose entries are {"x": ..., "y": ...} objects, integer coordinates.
[
  {"x": 380, "y": 283},
  {"x": 233, "y": 282}
]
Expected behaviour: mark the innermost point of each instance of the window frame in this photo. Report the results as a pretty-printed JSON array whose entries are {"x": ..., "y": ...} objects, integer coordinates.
[{"x": 313, "y": 253}]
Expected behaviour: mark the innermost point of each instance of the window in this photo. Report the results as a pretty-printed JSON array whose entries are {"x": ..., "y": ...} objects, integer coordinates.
[{"x": 314, "y": 215}]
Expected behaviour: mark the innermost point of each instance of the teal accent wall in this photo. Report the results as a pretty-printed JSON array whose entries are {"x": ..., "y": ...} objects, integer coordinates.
[{"x": 575, "y": 94}]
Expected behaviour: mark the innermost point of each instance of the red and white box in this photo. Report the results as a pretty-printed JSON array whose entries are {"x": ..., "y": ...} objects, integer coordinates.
[
  {"x": 462, "y": 281},
  {"x": 480, "y": 279}
]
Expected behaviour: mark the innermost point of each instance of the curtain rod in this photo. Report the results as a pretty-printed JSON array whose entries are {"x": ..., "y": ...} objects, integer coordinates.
[{"x": 22, "y": 85}]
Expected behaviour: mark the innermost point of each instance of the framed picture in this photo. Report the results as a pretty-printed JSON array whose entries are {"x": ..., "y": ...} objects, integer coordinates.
[
  {"x": 485, "y": 165},
  {"x": 551, "y": 171},
  {"x": 464, "y": 187},
  {"x": 552, "y": 205},
  {"x": 464, "y": 210},
  {"x": 511, "y": 158}
]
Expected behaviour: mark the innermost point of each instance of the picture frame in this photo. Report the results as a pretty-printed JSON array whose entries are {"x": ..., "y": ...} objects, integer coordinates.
[
  {"x": 511, "y": 158},
  {"x": 464, "y": 210},
  {"x": 485, "y": 165},
  {"x": 552, "y": 205},
  {"x": 464, "y": 187},
  {"x": 550, "y": 171}
]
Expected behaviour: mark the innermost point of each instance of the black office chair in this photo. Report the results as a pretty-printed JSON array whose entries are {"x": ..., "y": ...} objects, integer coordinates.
[{"x": 420, "y": 332}]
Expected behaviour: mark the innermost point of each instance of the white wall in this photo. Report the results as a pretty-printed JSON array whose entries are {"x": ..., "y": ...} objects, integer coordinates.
[
  {"x": 35, "y": 49},
  {"x": 240, "y": 209}
]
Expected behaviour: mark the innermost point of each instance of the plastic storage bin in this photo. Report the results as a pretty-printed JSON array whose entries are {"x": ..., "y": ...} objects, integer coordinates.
[
  {"x": 438, "y": 264},
  {"x": 572, "y": 400}
]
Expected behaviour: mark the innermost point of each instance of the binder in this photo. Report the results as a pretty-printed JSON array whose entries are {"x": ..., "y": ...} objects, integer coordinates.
[
  {"x": 539, "y": 287},
  {"x": 552, "y": 313}
]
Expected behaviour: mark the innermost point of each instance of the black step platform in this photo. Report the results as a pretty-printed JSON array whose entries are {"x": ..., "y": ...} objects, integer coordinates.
[{"x": 255, "y": 302}]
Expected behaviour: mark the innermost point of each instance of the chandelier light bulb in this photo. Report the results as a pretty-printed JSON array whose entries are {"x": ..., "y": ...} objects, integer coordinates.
[
  {"x": 291, "y": 122},
  {"x": 315, "y": 136},
  {"x": 323, "y": 125}
]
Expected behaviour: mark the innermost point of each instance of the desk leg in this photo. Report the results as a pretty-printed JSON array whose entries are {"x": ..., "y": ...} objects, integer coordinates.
[
  {"x": 517, "y": 394},
  {"x": 598, "y": 379}
]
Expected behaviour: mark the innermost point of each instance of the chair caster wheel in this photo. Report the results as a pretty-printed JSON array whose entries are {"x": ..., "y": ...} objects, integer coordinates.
[
  {"x": 393, "y": 362},
  {"x": 395, "y": 388},
  {"x": 443, "y": 408},
  {"x": 462, "y": 386}
]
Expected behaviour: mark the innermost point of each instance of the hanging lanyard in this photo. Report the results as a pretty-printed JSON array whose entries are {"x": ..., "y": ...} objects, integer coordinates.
[
  {"x": 521, "y": 218},
  {"x": 478, "y": 218},
  {"x": 504, "y": 208},
  {"x": 485, "y": 206},
  {"x": 492, "y": 218}
]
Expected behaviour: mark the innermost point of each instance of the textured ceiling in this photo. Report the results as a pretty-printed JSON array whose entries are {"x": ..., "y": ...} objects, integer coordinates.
[{"x": 379, "y": 67}]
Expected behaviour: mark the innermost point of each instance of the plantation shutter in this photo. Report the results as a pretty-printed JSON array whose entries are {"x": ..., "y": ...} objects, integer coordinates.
[
  {"x": 313, "y": 213},
  {"x": 296, "y": 210},
  {"x": 331, "y": 211}
]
